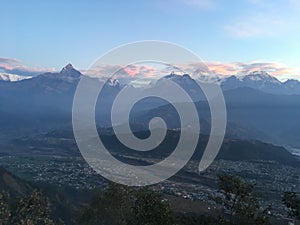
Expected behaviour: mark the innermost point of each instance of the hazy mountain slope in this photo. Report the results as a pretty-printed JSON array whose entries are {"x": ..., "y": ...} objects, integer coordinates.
[
  {"x": 14, "y": 185},
  {"x": 44, "y": 103},
  {"x": 62, "y": 143}
]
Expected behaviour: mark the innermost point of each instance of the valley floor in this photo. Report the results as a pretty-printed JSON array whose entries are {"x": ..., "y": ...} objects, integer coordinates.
[{"x": 273, "y": 179}]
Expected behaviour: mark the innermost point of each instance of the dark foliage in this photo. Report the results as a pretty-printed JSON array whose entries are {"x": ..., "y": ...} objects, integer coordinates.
[
  {"x": 292, "y": 202},
  {"x": 119, "y": 205},
  {"x": 240, "y": 202},
  {"x": 31, "y": 210}
]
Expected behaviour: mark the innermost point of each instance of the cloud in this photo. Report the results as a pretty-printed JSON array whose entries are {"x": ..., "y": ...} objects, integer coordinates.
[
  {"x": 15, "y": 66},
  {"x": 223, "y": 69},
  {"x": 102, "y": 70},
  {"x": 8, "y": 60},
  {"x": 265, "y": 19},
  {"x": 140, "y": 70},
  {"x": 279, "y": 70},
  {"x": 120, "y": 71},
  {"x": 276, "y": 69},
  {"x": 258, "y": 25}
]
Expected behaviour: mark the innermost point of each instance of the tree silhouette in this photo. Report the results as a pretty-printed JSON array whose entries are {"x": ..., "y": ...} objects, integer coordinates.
[
  {"x": 4, "y": 208},
  {"x": 292, "y": 202},
  {"x": 151, "y": 209},
  {"x": 110, "y": 207},
  {"x": 120, "y": 205},
  {"x": 240, "y": 202},
  {"x": 31, "y": 210}
]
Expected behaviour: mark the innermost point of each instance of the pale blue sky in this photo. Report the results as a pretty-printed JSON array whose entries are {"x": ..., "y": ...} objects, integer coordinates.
[{"x": 43, "y": 35}]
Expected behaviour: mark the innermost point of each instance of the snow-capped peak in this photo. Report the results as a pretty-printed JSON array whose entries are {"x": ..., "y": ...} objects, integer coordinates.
[
  {"x": 216, "y": 79},
  {"x": 68, "y": 67},
  {"x": 12, "y": 77},
  {"x": 262, "y": 75},
  {"x": 258, "y": 76},
  {"x": 113, "y": 82}
]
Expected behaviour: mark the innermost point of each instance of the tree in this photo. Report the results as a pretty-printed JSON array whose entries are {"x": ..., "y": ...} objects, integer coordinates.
[
  {"x": 240, "y": 201},
  {"x": 151, "y": 209},
  {"x": 110, "y": 207},
  {"x": 31, "y": 210},
  {"x": 121, "y": 205},
  {"x": 4, "y": 208},
  {"x": 292, "y": 202}
]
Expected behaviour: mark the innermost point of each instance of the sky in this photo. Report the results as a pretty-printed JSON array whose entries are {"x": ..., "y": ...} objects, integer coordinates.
[{"x": 229, "y": 36}]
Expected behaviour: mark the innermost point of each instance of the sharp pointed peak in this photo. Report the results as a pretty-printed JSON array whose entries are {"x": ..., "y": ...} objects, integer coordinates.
[
  {"x": 70, "y": 71},
  {"x": 69, "y": 66}
]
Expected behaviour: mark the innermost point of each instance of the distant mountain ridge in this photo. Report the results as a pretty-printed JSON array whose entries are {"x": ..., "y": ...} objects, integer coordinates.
[
  {"x": 259, "y": 106},
  {"x": 262, "y": 81},
  {"x": 62, "y": 143},
  {"x": 13, "y": 184},
  {"x": 259, "y": 80}
]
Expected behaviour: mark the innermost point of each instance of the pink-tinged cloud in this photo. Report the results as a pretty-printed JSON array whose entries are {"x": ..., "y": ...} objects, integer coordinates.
[
  {"x": 15, "y": 66},
  {"x": 278, "y": 70},
  {"x": 120, "y": 71},
  {"x": 134, "y": 70},
  {"x": 223, "y": 69},
  {"x": 102, "y": 70},
  {"x": 273, "y": 68}
]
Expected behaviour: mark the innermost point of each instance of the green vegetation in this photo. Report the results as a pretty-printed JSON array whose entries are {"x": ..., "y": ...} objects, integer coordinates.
[
  {"x": 119, "y": 205},
  {"x": 108, "y": 207},
  {"x": 123, "y": 205},
  {"x": 4, "y": 208},
  {"x": 31, "y": 210},
  {"x": 292, "y": 202},
  {"x": 240, "y": 202},
  {"x": 150, "y": 209}
]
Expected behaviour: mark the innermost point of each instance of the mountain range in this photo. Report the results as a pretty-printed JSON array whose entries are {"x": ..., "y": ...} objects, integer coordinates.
[
  {"x": 262, "y": 81},
  {"x": 259, "y": 106},
  {"x": 259, "y": 80}
]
